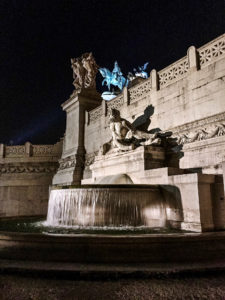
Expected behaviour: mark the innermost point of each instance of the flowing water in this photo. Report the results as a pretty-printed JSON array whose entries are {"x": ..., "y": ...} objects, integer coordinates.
[{"x": 107, "y": 206}]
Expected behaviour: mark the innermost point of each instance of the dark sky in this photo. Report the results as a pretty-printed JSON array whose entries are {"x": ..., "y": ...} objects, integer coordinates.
[{"x": 38, "y": 38}]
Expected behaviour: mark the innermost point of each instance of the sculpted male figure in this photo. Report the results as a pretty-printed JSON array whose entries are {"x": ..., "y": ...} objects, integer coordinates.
[
  {"x": 119, "y": 130},
  {"x": 126, "y": 137},
  {"x": 78, "y": 72}
]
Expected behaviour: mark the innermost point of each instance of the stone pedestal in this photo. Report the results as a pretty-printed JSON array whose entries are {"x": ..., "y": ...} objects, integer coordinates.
[
  {"x": 118, "y": 162},
  {"x": 196, "y": 199},
  {"x": 72, "y": 161}
]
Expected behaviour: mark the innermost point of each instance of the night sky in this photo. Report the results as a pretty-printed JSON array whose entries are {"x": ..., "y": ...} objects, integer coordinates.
[{"x": 38, "y": 38}]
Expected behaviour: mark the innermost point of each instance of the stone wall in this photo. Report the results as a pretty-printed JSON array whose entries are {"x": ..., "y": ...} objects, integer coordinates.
[
  {"x": 26, "y": 172},
  {"x": 187, "y": 98}
]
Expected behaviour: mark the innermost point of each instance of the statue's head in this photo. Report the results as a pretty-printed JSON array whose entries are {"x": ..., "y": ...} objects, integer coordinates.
[
  {"x": 114, "y": 115},
  {"x": 116, "y": 68}
]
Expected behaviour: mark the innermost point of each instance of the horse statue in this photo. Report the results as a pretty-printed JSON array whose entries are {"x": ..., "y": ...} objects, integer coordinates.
[
  {"x": 115, "y": 77},
  {"x": 141, "y": 71}
]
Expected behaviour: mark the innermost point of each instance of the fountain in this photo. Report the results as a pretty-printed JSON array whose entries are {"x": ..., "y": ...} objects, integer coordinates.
[
  {"x": 111, "y": 206},
  {"x": 117, "y": 205}
]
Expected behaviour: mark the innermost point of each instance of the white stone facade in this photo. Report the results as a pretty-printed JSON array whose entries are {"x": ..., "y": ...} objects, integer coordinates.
[{"x": 26, "y": 173}]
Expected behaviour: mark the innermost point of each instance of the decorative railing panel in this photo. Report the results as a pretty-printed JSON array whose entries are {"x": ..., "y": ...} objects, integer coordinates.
[
  {"x": 140, "y": 91},
  {"x": 43, "y": 150},
  {"x": 29, "y": 150},
  {"x": 116, "y": 102},
  {"x": 173, "y": 72},
  {"x": 95, "y": 114},
  {"x": 12, "y": 151},
  {"x": 212, "y": 51}
]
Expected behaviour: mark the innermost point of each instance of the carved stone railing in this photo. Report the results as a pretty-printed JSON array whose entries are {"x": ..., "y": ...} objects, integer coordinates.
[
  {"x": 116, "y": 102},
  {"x": 212, "y": 51},
  {"x": 173, "y": 72},
  {"x": 43, "y": 150},
  {"x": 195, "y": 59},
  {"x": 29, "y": 150},
  {"x": 140, "y": 91},
  {"x": 15, "y": 151},
  {"x": 95, "y": 114}
]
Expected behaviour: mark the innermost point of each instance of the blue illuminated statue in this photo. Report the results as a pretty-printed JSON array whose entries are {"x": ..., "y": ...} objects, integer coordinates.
[
  {"x": 141, "y": 71},
  {"x": 115, "y": 77}
]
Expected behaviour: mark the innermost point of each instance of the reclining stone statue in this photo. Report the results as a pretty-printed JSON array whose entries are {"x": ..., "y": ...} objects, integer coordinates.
[{"x": 126, "y": 137}]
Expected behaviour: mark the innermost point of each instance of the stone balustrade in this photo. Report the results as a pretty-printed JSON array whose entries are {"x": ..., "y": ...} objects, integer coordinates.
[
  {"x": 140, "y": 91},
  {"x": 29, "y": 150},
  {"x": 212, "y": 51},
  {"x": 95, "y": 114},
  {"x": 173, "y": 72},
  {"x": 196, "y": 59},
  {"x": 26, "y": 171}
]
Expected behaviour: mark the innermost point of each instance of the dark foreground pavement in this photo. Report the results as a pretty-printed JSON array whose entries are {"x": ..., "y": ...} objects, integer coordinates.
[
  {"x": 26, "y": 288},
  {"x": 21, "y": 280}
]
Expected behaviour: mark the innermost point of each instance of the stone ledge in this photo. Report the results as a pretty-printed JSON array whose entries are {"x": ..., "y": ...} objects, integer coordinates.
[{"x": 108, "y": 271}]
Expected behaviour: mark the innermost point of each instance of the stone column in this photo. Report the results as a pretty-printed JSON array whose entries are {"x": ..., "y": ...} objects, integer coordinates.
[
  {"x": 154, "y": 80},
  {"x": 104, "y": 107},
  {"x": 71, "y": 163},
  {"x": 2, "y": 150},
  {"x": 126, "y": 95},
  {"x": 28, "y": 149},
  {"x": 193, "y": 59}
]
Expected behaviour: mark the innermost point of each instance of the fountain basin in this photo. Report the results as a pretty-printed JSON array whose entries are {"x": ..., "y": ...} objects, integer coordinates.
[
  {"x": 113, "y": 206},
  {"x": 114, "y": 249}
]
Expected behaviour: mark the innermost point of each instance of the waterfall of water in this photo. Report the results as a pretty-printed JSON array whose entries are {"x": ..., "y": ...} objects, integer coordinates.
[{"x": 106, "y": 207}]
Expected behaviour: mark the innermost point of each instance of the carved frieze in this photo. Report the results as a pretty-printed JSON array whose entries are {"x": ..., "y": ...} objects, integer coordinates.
[
  {"x": 219, "y": 118},
  {"x": 203, "y": 133},
  {"x": 90, "y": 157},
  {"x": 71, "y": 162},
  {"x": 27, "y": 168}
]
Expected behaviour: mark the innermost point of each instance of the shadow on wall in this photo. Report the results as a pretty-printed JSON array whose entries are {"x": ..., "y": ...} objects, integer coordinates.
[
  {"x": 143, "y": 122},
  {"x": 172, "y": 148}
]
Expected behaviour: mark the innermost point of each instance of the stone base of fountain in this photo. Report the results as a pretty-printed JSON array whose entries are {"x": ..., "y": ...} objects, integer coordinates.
[
  {"x": 149, "y": 165},
  {"x": 155, "y": 248}
]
